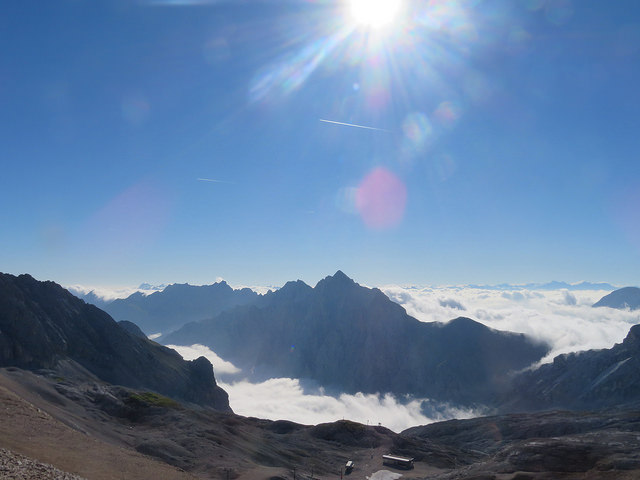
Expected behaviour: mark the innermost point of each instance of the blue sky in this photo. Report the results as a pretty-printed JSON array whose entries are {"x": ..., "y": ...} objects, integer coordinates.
[{"x": 505, "y": 146}]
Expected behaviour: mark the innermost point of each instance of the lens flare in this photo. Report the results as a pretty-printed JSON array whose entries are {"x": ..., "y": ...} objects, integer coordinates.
[
  {"x": 418, "y": 134},
  {"x": 381, "y": 199},
  {"x": 135, "y": 110},
  {"x": 346, "y": 200},
  {"x": 447, "y": 113}
]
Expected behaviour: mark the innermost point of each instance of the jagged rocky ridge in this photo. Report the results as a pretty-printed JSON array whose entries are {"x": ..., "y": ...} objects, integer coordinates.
[
  {"x": 352, "y": 338},
  {"x": 43, "y": 326},
  {"x": 177, "y": 304}
]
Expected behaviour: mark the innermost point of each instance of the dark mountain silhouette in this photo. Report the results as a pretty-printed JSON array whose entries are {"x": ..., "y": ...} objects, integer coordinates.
[
  {"x": 584, "y": 380},
  {"x": 132, "y": 328},
  {"x": 623, "y": 298},
  {"x": 353, "y": 338},
  {"x": 178, "y": 304},
  {"x": 43, "y": 326}
]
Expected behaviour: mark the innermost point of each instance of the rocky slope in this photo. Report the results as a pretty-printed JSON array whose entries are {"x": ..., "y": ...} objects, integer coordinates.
[
  {"x": 42, "y": 326},
  {"x": 583, "y": 380},
  {"x": 352, "y": 338},
  {"x": 547, "y": 445},
  {"x": 177, "y": 304},
  {"x": 623, "y": 298},
  {"x": 13, "y": 465},
  {"x": 213, "y": 445}
]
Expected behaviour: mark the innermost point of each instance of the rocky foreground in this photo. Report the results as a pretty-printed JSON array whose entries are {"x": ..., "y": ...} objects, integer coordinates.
[
  {"x": 99, "y": 431},
  {"x": 20, "y": 467}
]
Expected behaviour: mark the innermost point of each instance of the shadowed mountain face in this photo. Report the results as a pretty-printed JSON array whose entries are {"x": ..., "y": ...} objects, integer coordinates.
[
  {"x": 583, "y": 380},
  {"x": 353, "y": 338},
  {"x": 627, "y": 297},
  {"x": 42, "y": 325},
  {"x": 178, "y": 304}
]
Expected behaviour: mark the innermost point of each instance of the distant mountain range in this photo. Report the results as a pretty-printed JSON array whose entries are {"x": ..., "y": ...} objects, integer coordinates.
[
  {"x": 624, "y": 298},
  {"x": 554, "y": 285},
  {"x": 177, "y": 304},
  {"x": 351, "y": 338},
  {"x": 169, "y": 307},
  {"x": 43, "y": 326}
]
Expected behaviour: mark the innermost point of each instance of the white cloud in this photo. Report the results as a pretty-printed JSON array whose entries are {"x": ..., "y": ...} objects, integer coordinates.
[
  {"x": 260, "y": 290},
  {"x": 192, "y": 352},
  {"x": 564, "y": 319},
  {"x": 285, "y": 399},
  {"x": 107, "y": 293},
  {"x": 451, "y": 303}
]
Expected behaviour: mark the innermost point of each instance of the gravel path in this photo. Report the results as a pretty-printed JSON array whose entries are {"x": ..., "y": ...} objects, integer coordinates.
[{"x": 19, "y": 467}]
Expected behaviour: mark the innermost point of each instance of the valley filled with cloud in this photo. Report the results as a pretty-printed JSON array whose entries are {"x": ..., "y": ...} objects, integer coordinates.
[
  {"x": 564, "y": 319},
  {"x": 288, "y": 399}
]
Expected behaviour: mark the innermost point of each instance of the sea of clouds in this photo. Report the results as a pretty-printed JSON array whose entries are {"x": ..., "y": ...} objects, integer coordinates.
[
  {"x": 287, "y": 399},
  {"x": 564, "y": 319}
]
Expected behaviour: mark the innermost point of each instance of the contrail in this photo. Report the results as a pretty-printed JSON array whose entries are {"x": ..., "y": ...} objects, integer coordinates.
[
  {"x": 213, "y": 181},
  {"x": 353, "y": 125}
]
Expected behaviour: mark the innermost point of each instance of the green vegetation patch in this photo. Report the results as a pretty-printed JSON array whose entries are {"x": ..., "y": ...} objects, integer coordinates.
[{"x": 152, "y": 399}]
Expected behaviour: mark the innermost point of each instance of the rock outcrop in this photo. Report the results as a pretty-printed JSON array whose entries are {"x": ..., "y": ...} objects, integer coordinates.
[
  {"x": 352, "y": 338},
  {"x": 583, "y": 380},
  {"x": 177, "y": 304},
  {"x": 42, "y": 326}
]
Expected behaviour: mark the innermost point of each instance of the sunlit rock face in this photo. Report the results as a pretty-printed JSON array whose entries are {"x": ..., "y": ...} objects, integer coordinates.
[
  {"x": 350, "y": 338},
  {"x": 43, "y": 326}
]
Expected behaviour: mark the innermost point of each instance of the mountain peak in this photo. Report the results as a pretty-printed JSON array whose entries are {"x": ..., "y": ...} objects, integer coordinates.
[
  {"x": 623, "y": 298},
  {"x": 340, "y": 275},
  {"x": 632, "y": 339},
  {"x": 464, "y": 323},
  {"x": 294, "y": 286},
  {"x": 338, "y": 278},
  {"x": 292, "y": 290}
]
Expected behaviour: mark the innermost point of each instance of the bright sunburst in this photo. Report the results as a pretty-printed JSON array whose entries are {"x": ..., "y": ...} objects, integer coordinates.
[{"x": 374, "y": 13}]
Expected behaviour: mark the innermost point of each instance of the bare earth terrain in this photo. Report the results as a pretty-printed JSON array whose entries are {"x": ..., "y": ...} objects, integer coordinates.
[
  {"x": 61, "y": 424},
  {"x": 28, "y": 430}
]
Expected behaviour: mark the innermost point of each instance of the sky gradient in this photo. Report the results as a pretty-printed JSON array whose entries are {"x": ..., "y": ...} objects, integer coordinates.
[{"x": 183, "y": 141}]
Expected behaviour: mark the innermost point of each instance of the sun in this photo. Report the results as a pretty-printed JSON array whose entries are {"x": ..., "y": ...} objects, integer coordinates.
[{"x": 374, "y": 13}]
